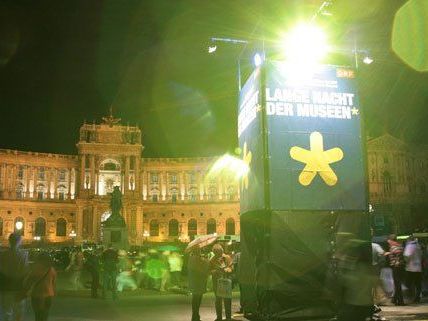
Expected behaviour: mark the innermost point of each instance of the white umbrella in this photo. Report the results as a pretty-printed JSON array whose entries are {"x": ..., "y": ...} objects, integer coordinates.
[{"x": 201, "y": 242}]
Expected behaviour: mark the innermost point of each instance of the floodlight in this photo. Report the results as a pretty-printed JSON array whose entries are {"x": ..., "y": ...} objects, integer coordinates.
[
  {"x": 212, "y": 49},
  {"x": 19, "y": 225},
  {"x": 368, "y": 60},
  {"x": 305, "y": 44},
  {"x": 258, "y": 59}
]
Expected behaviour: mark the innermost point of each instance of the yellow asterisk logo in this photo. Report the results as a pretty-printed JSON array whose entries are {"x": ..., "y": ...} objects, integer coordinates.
[
  {"x": 246, "y": 157},
  {"x": 317, "y": 160}
]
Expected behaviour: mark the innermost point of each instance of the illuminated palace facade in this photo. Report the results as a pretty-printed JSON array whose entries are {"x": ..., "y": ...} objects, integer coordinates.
[
  {"x": 63, "y": 198},
  {"x": 398, "y": 180}
]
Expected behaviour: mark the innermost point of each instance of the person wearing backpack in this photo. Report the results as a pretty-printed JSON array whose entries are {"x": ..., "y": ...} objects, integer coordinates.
[
  {"x": 41, "y": 283},
  {"x": 13, "y": 269}
]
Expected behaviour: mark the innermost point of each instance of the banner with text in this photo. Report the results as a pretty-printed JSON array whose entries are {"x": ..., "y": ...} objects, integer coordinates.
[
  {"x": 251, "y": 144},
  {"x": 314, "y": 139}
]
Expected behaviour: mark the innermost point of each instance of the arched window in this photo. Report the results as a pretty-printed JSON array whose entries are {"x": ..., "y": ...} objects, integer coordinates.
[
  {"x": 40, "y": 227},
  {"x": 230, "y": 226},
  {"x": 19, "y": 225},
  {"x": 154, "y": 228},
  {"x": 1, "y": 226},
  {"x": 387, "y": 182},
  {"x": 211, "y": 226},
  {"x": 192, "y": 227},
  {"x": 61, "y": 227},
  {"x": 173, "y": 228}
]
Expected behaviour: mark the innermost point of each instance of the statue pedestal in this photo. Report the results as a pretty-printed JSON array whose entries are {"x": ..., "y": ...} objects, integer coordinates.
[{"x": 115, "y": 232}]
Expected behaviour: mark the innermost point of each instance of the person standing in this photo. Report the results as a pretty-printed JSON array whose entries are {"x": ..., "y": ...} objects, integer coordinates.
[
  {"x": 110, "y": 270},
  {"x": 413, "y": 258},
  {"x": 396, "y": 261},
  {"x": 197, "y": 269},
  {"x": 175, "y": 262},
  {"x": 221, "y": 267},
  {"x": 93, "y": 266},
  {"x": 76, "y": 266},
  {"x": 378, "y": 259},
  {"x": 125, "y": 279},
  {"x": 42, "y": 281},
  {"x": 13, "y": 269}
]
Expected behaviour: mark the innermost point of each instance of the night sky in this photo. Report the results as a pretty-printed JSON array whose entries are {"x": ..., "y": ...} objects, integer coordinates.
[{"x": 64, "y": 62}]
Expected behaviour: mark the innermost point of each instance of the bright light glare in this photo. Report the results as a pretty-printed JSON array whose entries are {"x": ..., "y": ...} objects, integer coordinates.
[
  {"x": 229, "y": 166},
  {"x": 258, "y": 60},
  {"x": 368, "y": 60},
  {"x": 212, "y": 49},
  {"x": 305, "y": 44},
  {"x": 19, "y": 225}
]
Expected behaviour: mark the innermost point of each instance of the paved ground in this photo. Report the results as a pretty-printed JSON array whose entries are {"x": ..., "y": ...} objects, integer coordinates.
[
  {"x": 154, "y": 306},
  {"x": 406, "y": 313},
  {"x": 148, "y": 307},
  {"x": 151, "y": 306}
]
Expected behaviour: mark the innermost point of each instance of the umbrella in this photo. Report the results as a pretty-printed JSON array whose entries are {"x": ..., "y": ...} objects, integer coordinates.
[{"x": 201, "y": 242}]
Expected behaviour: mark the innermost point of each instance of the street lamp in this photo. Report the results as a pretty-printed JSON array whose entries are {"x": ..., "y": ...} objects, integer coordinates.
[
  {"x": 73, "y": 235},
  {"x": 19, "y": 225},
  {"x": 146, "y": 235}
]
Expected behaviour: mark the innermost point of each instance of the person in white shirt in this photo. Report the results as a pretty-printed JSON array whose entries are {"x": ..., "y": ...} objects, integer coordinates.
[{"x": 413, "y": 258}]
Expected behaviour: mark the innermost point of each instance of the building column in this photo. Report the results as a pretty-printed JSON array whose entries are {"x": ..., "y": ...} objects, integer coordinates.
[
  {"x": 144, "y": 185},
  {"x": 200, "y": 180},
  {"x": 182, "y": 185},
  {"x": 162, "y": 184},
  {"x": 220, "y": 188},
  {"x": 92, "y": 168},
  {"x": 55, "y": 173},
  {"x": 95, "y": 225},
  {"x": 69, "y": 184},
  {"x": 7, "y": 180},
  {"x": 3, "y": 178},
  {"x": 35, "y": 177},
  {"x": 82, "y": 172},
  {"x": 48, "y": 173},
  {"x": 12, "y": 181},
  {"x": 79, "y": 224},
  {"x": 126, "y": 187},
  {"x": 139, "y": 228},
  {"x": 137, "y": 174},
  {"x": 27, "y": 181}
]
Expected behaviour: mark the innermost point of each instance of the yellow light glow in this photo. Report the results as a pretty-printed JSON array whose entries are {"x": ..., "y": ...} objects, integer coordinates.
[
  {"x": 305, "y": 44},
  {"x": 228, "y": 165},
  {"x": 19, "y": 225}
]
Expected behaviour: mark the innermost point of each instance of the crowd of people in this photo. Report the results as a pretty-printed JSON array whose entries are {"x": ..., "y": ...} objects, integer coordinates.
[
  {"x": 407, "y": 264},
  {"x": 394, "y": 265}
]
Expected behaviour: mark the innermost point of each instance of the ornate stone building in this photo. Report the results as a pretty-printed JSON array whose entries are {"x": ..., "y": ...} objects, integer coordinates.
[
  {"x": 63, "y": 198},
  {"x": 398, "y": 178}
]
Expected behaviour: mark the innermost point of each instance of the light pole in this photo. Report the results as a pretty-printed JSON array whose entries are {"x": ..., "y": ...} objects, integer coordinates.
[
  {"x": 73, "y": 235},
  {"x": 146, "y": 235}
]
